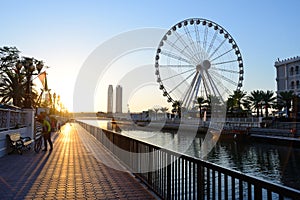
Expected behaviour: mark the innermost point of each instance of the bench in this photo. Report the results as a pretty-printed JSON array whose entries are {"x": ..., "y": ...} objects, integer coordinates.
[{"x": 18, "y": 143}]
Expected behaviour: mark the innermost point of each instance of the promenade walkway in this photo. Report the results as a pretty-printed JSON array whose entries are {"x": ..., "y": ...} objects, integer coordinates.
[{"x": 70, "y": 171}]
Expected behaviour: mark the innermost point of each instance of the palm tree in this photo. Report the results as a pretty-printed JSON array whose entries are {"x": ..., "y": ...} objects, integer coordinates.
[
  {"x": 247, "y": 105},
  {"x": 214, "y": 104},
  {"x": 230, "y": 104},
  {"x": 12, "y": 88},
  {"x": 156, "y": 109},
  {"x": 286, "y": 98},
  {"x": 12, "y": 85},
  {"x": 8, "y": 57},
  {"x": 237, "y": 97},
  {"x": 164, "y": 110},
  {"x": 201, "y": 101},
  {"x": 177, "y": 108},
  {"x": 268, "y": 99},
  {"x": 15, "y": 72},
  {"x": 255, "y": 98}
]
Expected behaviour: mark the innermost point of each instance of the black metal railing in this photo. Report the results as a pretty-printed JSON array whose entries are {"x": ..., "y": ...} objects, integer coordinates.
[{"x": 176, "y": 176}]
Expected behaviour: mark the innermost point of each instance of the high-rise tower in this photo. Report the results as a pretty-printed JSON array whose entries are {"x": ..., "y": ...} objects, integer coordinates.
[
  {"x": 110, "y": 99},
  {"x": 118, "y": 99}
]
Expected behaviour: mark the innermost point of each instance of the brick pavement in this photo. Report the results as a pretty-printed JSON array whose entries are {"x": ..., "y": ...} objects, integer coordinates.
[{"x": 70, "y": 171}]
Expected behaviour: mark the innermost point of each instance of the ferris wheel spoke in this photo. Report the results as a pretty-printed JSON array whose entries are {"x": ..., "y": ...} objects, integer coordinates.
[
  {"x": 177, "y": 75},
  {"x": 175, "y": 56},
  {"x": 223, "y": 54},
  {"x": 183, "y": 81},
  {"x": 198, "y": 40},
  {"x": 225, "y": 62},
  {"x": 188, "y": 95},
  {"x": 186, "y": 48},
  {"x": 225, "y": 70},
  {"x": 220, "y": 45},
  {"x": 205, "y": 38},
  {"x": 192, "y": 42},
  {"x": 210, "y": 84},
  {"x": 217, "y": 80},
  {"x": 198, "y": 85},
  {"x": 177, "y": 66},
  {"x": 225, "y": 78},
  {"x": 212, "y": 42},
  {"x": 214, "y": 87},
  {"x": 206, "y": 87},
  {"x": 180, "y": 50}
]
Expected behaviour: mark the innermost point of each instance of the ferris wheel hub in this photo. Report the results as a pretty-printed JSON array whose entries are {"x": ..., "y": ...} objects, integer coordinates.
[{"x": 205, "y": 65}]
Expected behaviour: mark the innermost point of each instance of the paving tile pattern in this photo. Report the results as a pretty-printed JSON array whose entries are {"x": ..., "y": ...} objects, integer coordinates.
[{"x": 70, "y": 171}]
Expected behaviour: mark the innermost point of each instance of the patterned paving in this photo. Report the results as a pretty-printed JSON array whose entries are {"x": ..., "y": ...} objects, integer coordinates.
[{"x": 70, "y": 171}]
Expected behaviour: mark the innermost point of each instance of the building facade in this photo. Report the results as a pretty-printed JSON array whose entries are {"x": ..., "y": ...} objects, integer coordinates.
[
  {"x": 288, "y": 75},
  {"x": 110, "y": 95},
  {"x": 118, "y": 99}
]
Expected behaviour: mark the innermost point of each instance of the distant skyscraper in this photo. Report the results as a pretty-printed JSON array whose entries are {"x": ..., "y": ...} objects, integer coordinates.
[
  {"x": 118, "y": 99},
  {"x": 110, "y": 99}
]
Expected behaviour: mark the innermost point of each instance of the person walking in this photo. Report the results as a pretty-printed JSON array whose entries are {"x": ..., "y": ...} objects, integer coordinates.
[{"x": 46, "y": 131}]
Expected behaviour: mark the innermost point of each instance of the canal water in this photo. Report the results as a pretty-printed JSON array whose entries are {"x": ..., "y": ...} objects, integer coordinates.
[{"x": 275, "y": 163}]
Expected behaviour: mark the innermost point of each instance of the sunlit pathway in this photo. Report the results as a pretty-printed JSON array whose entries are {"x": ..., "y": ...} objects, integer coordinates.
[{"x": 69, "y": 172}]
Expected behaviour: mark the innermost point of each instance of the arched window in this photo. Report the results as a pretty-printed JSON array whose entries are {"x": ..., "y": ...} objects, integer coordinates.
[
  {"x": 297, "y": 69},
  {"x": 292, "y": 71},
  {"x": 292, "y": 85}
]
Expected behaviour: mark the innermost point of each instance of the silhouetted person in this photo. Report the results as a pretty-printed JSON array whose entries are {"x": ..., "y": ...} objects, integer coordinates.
[{"x": 46, "y": 131}]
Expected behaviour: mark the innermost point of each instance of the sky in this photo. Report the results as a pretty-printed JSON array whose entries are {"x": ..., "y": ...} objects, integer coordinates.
[{"x": 64, "y": 34}]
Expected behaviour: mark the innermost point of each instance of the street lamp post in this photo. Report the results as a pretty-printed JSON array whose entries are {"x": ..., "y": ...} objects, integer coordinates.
[{"x": 29, "y": 65}]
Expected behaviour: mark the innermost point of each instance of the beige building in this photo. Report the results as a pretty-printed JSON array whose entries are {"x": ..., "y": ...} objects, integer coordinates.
[{"x": 288, "y": 75}]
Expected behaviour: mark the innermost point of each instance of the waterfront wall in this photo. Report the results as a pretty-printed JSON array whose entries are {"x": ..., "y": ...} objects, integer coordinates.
[
  {"x": 15, "y": 121},
  {"x": 173, "y": 175}
]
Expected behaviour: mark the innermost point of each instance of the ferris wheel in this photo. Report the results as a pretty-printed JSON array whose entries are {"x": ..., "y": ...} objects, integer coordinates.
[{"x": 198, "y": 58}]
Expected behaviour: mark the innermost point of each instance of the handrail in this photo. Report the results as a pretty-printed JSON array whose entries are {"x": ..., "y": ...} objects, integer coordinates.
[{"x": 173, "y": 175}]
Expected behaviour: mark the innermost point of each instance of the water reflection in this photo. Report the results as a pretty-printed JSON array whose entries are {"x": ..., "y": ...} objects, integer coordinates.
[{"x": 278, "y": 164}]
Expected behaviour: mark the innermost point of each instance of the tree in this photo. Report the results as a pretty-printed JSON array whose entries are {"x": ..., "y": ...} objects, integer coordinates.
[
  {"x": 255, "y": 98},
  {"x": 9, "y": 56},
  {"x": 15, "y": 73},
  {"x": 286, "y": 97},
  {"x": 156, "y": 109},
  {"x": 164, "y": 110},
  {"x": 213, "y": 100},
  {"x": 247, "y": 105},
  {"x": 268, "y": 99},
  {"x": 237, "y": 97},
  {"x": 230, "y": 104},
  {"x": 12, "y": 88},
  {"x": 177, "y": 108},
  {"x": 201, "y": 101},
  {"x": 13, "y": 83}
]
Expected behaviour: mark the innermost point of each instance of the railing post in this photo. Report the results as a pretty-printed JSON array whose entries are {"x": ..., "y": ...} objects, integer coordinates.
[
  {"x": 150, "y": 169},
  {"x": 169, "y": 176},
  {"x": 19, "y": 117},
  {"x": 8, "y": 119}
]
